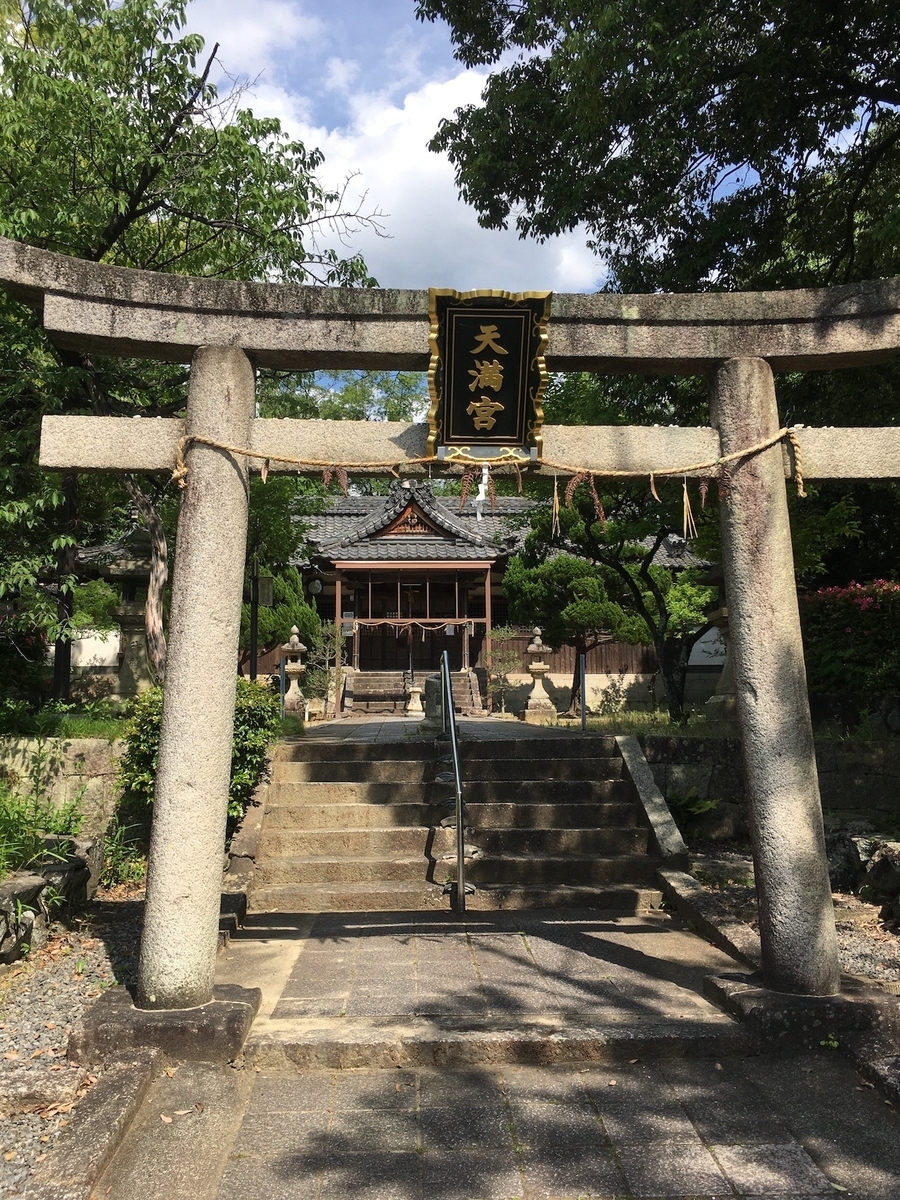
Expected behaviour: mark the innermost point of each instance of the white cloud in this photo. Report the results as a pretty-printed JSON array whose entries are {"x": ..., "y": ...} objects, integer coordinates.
[
  {"x": 250, "y": 34},
  {"x": 340, "y": 73},
  {"x": 435, "y": 240},
  {"x": 370, "y": 93}
]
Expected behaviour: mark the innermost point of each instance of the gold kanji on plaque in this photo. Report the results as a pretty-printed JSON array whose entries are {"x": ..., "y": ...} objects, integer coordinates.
[{"x": 487, "y": 342}]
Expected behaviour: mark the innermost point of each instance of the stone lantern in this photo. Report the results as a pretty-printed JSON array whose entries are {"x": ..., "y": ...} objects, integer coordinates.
[
  {"x": 292, "y": 659},
  {"x": 540, "y": 709}
]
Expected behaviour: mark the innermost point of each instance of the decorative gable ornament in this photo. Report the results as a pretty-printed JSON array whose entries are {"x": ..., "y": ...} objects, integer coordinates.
[
  {"x": 487, "y": 375},
  {"x": 409, "y": 523}
]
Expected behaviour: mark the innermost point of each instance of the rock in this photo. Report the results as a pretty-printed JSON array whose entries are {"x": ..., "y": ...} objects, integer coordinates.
[
  {"x": 724, "y": 823},
  {"x": 883, "y": 870},
  {"x": 15, "y": 934},
  {"x": 843, "y": 861},
  {"x": 24, "y": 1087}
]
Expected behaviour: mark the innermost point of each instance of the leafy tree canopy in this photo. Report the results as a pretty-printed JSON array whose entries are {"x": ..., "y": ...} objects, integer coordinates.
[
  {"x": 703, "y": 145},
  {"x": 116, "y": 147}
]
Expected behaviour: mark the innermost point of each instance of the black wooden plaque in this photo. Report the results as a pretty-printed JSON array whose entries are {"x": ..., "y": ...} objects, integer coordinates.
[{"x": 487, "y": 375}]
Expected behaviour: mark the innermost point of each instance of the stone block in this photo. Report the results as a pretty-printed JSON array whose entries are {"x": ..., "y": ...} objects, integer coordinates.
[
  {"x": 683, "y": 778},
  {"x": 807, "y": 1021},
  {"x": 213, "y": 1032},
  {"x": 100, "y": 1122}
]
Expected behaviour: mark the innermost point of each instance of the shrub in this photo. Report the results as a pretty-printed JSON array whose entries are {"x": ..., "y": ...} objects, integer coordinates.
[
  {"x": 256, "y": 726},
  {"x": 852, "y": 637},
  {"x": 24, "y": 823}
]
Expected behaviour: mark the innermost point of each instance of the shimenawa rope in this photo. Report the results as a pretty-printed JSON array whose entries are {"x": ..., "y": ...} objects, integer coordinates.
[{"x": 395, "y": 466}]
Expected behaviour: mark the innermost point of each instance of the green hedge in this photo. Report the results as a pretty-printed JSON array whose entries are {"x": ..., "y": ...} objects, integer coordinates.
[{"x": 256, "y": 726}]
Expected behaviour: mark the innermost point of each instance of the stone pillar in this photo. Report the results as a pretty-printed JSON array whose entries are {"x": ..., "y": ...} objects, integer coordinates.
[
  {"x": 184, "y": 881},
  {"x": 799, "y": 946}
]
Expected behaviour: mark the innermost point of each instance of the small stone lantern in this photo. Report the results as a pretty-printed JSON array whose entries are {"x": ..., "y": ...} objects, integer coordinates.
[
  {"x": 540, "y": 709},
  {"x": 291, "y": 655},
  {"x": 414, "y": 701}
]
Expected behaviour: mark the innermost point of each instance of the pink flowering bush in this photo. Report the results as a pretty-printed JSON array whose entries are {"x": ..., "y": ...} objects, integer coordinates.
[{"x": 852, "y": 637}]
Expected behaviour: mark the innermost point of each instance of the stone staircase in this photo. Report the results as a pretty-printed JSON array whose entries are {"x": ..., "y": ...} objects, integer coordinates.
[
  {"x": 356, "y": 827},
  {"x": 386, "y": 691}
]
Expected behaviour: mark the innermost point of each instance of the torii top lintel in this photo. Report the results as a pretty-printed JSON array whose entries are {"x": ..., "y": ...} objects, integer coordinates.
[{"x": 119, "y": 311}]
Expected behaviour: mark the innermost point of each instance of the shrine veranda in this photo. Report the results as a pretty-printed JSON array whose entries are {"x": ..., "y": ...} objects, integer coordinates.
[{"x": 225, "y": 329}]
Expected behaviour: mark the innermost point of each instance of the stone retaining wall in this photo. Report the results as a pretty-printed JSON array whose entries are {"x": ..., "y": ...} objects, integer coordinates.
[
  {"x": 71, "y": 766},
  {"x": 857, "y": 779}
]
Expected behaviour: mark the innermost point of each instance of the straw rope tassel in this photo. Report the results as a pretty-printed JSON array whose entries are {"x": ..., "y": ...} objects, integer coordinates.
[{"x": 690, "y": 527}]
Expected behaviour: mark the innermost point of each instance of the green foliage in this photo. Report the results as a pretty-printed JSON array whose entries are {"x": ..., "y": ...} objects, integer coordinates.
[
  {"x": 325, "y": 663},
  {"x": 118, "y": 149},
  {"x": 93, "y": 719},
  {"x": 701, "y": 145},
  {"x": 124, "y": 856},
  {"x": 92, "y": 606},
  {"x": 852, "y": 638},
  {"x": 581, "y": 579},
  {"x": 567, "y": 598},
  {"x": 25, "y": 820},
  {"x": 502, "y": 661},
  {"x": 291, "y": 608},
  {"x": 348, "y": 396},
  {"x": 256, "y": 725}
]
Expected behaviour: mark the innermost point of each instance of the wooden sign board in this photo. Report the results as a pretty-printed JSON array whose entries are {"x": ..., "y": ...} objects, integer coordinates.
[{"x": 487, "y": 375}]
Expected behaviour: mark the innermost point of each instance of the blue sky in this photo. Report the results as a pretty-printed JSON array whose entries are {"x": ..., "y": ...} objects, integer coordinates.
[{"x": 367, "y": 83}]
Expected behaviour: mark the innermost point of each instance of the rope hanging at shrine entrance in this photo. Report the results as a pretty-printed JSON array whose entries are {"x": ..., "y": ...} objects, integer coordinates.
[{"x": 715, "y": 468}]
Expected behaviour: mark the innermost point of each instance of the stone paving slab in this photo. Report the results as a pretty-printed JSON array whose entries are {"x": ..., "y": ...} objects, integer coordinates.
[
  {"x": 409, "y": 989},
  {"x": 633, "y": 1130}
]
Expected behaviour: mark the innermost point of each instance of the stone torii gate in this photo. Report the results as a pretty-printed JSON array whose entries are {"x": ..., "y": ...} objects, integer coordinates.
[{"x": 226, "y": 328}]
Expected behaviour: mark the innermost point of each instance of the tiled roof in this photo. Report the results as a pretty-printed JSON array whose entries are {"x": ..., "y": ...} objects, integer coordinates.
[
  {"x": 347, "y": 530},
  {"x": 413, "y": 549}
]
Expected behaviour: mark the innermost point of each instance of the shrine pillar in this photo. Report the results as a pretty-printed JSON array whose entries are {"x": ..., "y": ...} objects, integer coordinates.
[
  {"x": 178, "y": 948},
  {"x": 796, "y": 915}
]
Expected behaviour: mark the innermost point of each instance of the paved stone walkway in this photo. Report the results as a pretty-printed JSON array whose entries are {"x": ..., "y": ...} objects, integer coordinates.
[
  {"x": 392, "y": 1059},
  {"x": 375, "y": 728},
  {"x": 665, "y": 1102}
]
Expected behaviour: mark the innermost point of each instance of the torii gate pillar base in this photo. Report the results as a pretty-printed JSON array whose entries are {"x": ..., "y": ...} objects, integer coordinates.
[{"x": 796, "y": 914}]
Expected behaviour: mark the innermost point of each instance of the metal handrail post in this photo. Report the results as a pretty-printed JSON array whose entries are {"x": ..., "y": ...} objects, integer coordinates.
[{"x": 450, "y": 719}]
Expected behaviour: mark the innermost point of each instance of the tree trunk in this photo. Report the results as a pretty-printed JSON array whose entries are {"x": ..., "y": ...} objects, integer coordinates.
[{"x": 159, "y": 574}]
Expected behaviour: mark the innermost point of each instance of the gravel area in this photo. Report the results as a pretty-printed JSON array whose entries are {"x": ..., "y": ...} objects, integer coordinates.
[
  {"x": 41, "y": 999},
  {"x": 869, "y": 947}
]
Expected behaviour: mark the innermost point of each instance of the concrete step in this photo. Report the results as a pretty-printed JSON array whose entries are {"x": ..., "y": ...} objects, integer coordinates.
[
  {"x": 525, "y": 869},
  {"x": 425, "y": 897},
  {"x": 344, "y": 1044},
  {"x": 339, "y": 770},
  {"x": 306, "y": 749},
  {"x": 347, "y": 897},
  {"x": 435, "y": 842},
  {"x": 333, "y": 868},
  {"x": 350, "y": 816},
  {"x": 628, "y": 840},
  {"x": 553, "y": 816},
  {"x": 481, "y": 816},
  {"x": 523, "y": 791},
  {"x": 492, "y": 897},
  {"x": 395, "y": 841}
]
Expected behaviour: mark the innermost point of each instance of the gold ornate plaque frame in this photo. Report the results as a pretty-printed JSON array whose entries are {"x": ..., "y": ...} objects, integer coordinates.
[{"x": 467, "y": 422}]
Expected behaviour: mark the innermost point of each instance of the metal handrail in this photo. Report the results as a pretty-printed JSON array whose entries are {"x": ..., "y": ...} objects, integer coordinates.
[{"x": 449, "y": 722}]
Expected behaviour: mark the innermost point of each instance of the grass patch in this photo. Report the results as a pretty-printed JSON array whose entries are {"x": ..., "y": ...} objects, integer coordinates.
[
  {"x": 25, "y": 821},
  {"x": 655, "y": 724}
]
